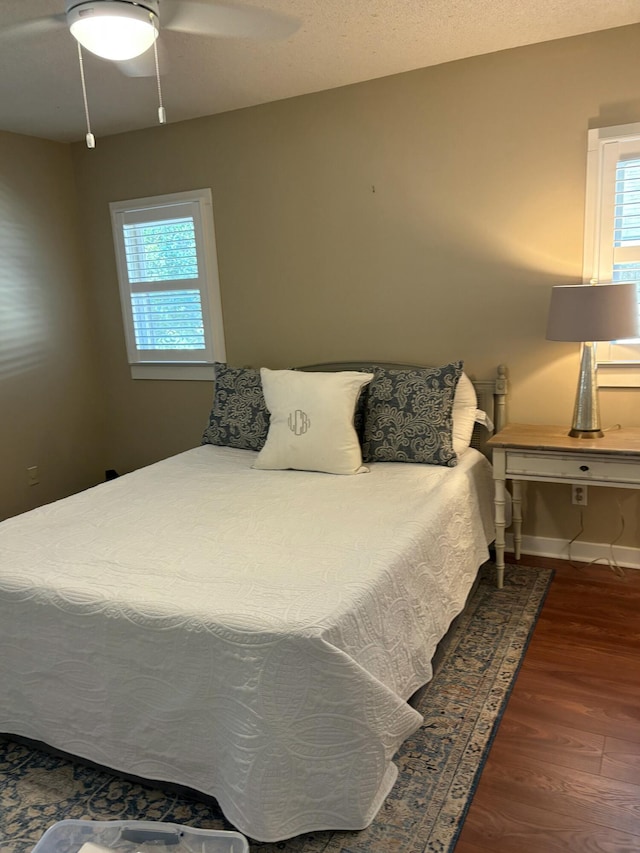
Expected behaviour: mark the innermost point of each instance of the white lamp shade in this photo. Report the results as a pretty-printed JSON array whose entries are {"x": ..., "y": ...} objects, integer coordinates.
[
  {"x": 114, "y": 31},
  {"x": 586, "y": 312}
]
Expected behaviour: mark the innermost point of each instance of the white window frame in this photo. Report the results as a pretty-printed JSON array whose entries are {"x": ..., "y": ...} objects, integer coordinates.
[
  {"x": 178, "y": 363},
  {"x": 618, "y": 363}
]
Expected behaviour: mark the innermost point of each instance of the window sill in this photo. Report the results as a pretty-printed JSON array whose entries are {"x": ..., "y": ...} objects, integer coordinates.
[
  {"x": 186, "y": 371},
  {"x": 618, "y": 374}
]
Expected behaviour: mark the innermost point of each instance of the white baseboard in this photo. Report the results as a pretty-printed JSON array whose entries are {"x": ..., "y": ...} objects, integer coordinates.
[{"x": 580, "y": 551}]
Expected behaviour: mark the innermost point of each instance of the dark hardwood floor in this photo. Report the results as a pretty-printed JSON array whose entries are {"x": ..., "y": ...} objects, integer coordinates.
[{"x": 563, "y": 773}]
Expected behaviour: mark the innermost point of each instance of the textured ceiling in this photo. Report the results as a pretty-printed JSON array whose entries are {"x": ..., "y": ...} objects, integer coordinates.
[{"x": 338, "y": 42}]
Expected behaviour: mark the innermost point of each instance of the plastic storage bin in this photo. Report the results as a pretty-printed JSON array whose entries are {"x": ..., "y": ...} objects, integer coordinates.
[{"x": 136, "y": 836}]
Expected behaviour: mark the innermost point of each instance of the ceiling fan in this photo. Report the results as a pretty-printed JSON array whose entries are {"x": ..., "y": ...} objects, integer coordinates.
[{"x": 124, "y": 29}]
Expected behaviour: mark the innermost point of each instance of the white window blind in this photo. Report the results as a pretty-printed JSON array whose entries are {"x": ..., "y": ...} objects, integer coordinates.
[
  {"x": 612, "y": 233},
  {"x": 167, "y": 270},
  {"x": 626, "y": 224}
]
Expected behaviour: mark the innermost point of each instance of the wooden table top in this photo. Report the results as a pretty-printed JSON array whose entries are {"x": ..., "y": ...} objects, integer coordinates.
[{"x": 545, "y": 437}]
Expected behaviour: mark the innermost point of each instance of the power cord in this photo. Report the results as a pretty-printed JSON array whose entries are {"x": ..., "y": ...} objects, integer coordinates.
[{"x": 611, "y": 560}]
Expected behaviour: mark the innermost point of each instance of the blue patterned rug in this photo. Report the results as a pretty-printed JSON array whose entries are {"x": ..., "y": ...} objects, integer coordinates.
[{"x": 439, "y": 765}]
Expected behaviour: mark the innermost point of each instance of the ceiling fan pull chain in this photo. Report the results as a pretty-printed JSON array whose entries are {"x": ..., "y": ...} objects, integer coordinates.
[
  {"x": 162, "y": 115},
  {"x": 91, "y": 140}
]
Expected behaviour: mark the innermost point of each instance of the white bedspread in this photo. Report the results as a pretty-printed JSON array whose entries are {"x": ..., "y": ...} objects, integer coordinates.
[{"x": 251, "y": 634}]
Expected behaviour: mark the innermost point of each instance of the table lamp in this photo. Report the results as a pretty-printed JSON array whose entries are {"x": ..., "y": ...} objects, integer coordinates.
[{"x": 590, "y": 313}]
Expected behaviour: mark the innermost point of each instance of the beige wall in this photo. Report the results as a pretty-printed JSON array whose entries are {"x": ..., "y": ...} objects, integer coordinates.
[
  {"x": 50, "y": 404},
  {"x": 421, "y": 217}
]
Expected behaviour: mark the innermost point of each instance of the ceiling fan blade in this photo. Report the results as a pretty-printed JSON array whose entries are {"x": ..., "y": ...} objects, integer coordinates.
[
  {"x": 223, "y": 20},
  {"x": 145, "y": 64},
  {"x": 34, "y": 27}
]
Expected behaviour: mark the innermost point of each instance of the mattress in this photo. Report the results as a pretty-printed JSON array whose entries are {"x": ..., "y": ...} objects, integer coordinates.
[{"x": 253, "y": 635}]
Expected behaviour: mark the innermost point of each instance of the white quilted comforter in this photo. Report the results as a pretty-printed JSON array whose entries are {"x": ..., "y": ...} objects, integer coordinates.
[{"x": 251, "y": 634}]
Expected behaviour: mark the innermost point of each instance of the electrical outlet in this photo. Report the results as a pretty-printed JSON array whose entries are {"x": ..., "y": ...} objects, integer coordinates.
[
  {"x": 33, "y": 475},
  {"x": 579, "y": 495}
]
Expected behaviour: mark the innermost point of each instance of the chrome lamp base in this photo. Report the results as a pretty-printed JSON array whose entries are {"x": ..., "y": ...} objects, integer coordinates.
[
  {"x": 586, "y": 412},
  {"x": 586, "y": 433}
]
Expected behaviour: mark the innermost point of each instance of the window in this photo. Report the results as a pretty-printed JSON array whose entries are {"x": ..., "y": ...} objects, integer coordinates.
[
  {"x": 169, "y": 288},
  {"x": 612, "y": 233}
]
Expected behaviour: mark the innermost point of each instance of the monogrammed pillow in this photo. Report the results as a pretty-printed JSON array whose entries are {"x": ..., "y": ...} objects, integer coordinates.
[{"x": 311, "y": 427}]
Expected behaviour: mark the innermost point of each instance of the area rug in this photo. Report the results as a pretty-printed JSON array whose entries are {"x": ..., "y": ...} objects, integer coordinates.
[{"x": 439, "y": 766}]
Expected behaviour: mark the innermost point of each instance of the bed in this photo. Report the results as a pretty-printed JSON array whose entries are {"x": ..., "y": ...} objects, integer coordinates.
[{"x": 253, "y": 634}]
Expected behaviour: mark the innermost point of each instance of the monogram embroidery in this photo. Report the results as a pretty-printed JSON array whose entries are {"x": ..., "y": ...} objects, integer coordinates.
[{"x": 299, "y": 422}]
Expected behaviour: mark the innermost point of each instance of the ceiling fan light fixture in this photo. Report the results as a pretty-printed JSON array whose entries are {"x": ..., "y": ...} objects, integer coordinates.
[{"x": 114, "y": 29}]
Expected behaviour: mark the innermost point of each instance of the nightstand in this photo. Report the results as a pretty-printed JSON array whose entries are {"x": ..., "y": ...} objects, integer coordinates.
[{"x": 546, "y": 454}]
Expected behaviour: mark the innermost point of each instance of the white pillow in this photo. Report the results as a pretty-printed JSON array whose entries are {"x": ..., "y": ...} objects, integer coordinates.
[
  {"x": 311, "y": 427},
  {"x": 465, "y": 402}
]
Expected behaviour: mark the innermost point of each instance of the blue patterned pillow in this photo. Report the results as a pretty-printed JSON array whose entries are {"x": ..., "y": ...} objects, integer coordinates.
[
  {"x": 409, "y": 415},
  {"x": 239, "y": 416}
]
